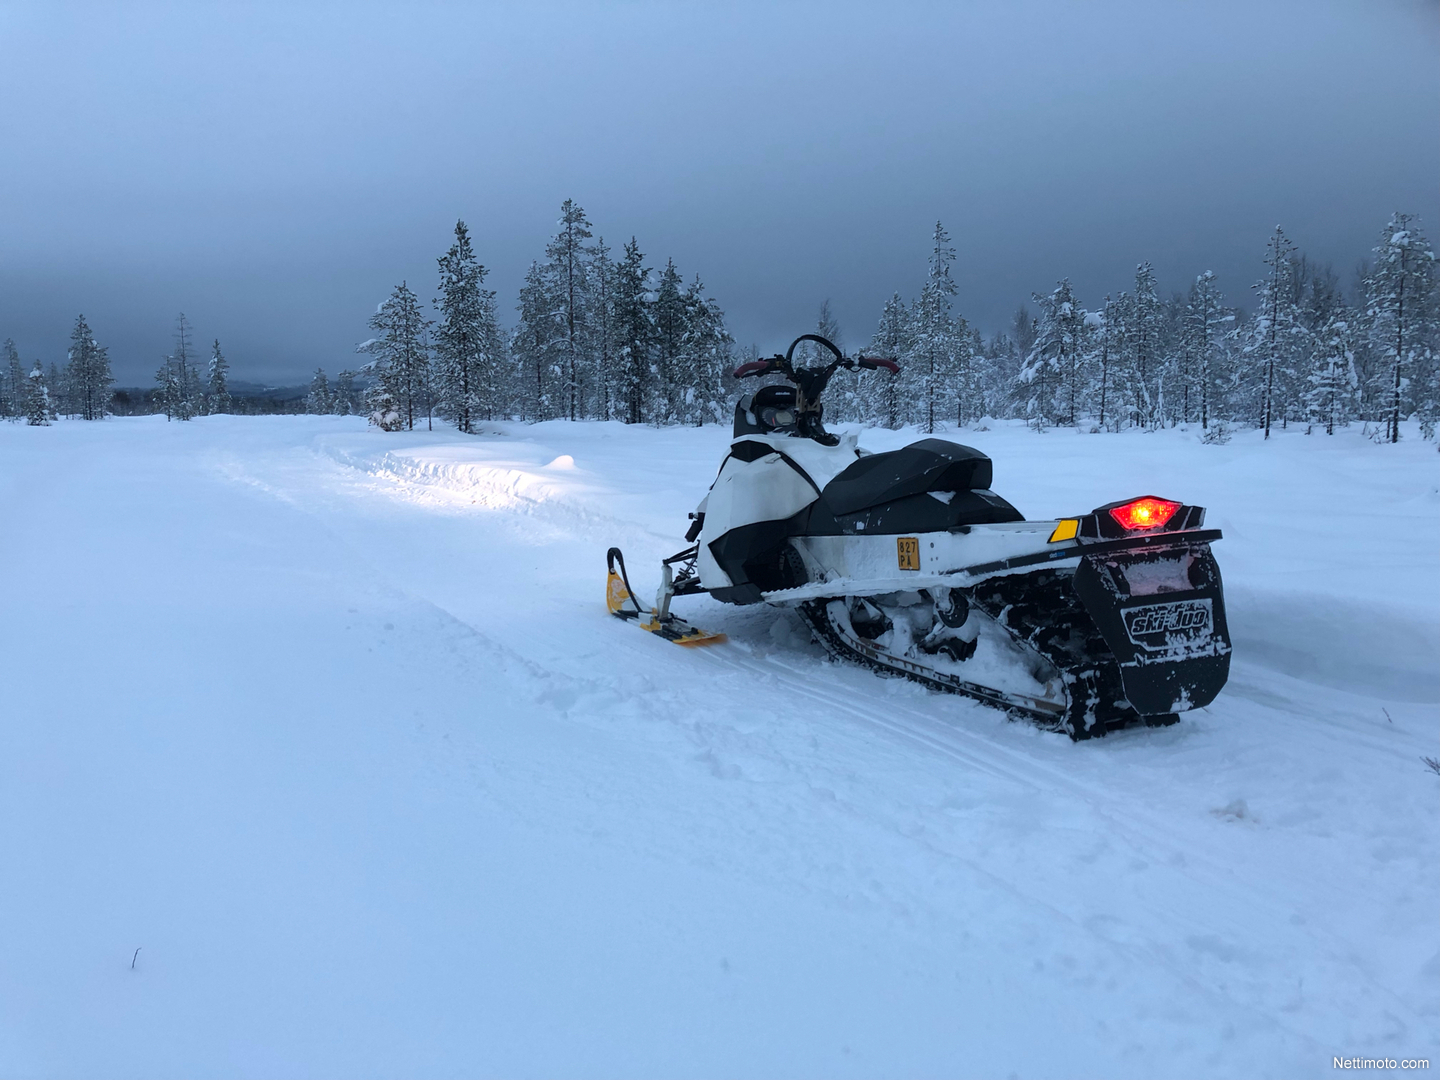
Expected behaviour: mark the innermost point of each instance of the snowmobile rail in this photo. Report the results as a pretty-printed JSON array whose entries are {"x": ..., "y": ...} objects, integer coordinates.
[{"x": 1072, "y": 551}]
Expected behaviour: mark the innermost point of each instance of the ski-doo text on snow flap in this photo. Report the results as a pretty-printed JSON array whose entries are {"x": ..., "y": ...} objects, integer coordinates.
[{"x": 1158, "y": 627}]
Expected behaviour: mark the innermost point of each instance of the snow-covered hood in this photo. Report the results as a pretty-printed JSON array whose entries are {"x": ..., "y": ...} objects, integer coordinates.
[{"x": 821, "y": 463}]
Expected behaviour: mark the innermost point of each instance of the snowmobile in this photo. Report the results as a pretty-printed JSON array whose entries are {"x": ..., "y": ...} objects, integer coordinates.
[{"x": 906, "y": 562}]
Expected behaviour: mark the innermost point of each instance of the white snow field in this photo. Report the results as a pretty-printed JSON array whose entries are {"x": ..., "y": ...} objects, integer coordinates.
[{"x": 332, "y": 726}]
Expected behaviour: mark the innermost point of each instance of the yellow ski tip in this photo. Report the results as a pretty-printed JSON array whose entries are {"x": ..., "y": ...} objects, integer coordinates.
[
  {"x": 701, "y": 638},
  {"x": 615, "y": 593}
]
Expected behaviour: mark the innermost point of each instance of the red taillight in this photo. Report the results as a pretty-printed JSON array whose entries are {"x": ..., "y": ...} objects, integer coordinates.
[{"x": 1146, "y": 513}]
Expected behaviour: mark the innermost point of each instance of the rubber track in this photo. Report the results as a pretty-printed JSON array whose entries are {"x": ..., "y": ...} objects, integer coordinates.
[
  {"x": 814, "y": 613},
  {"x": 1042, "y": 612}
]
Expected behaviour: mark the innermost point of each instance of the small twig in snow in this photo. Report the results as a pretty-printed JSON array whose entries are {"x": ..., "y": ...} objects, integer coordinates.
[
  {"x": 137, "y": 953},
  {"x": 1433, "y": 764},
  {"x": 1387, "y": 713}
]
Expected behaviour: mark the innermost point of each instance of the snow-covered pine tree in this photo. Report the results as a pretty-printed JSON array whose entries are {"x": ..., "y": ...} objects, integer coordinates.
[
  {"x": 933, "y": 333},
  {"x": 87, "y": 374},
  {"x": 345, "y": 398},
  {"x": 468, "y": 354},
  {"x": 1105, "y": 353},
  {"x": 1400, "y": 308},
  {"x": 16, "y": 386},
  {"x": 167, "y": 390},
  {"x": 402, "y": 360},
  {"x": 567, "y": 260},
  {"x": 1008, "y": 358},
  {"x": 1176, "y": 372},
  {"x": 965, "y": 380},
  {"x": 668, "y": 314},
  {"x": 185, "y": 399},
  {"x": 1204, "y": 322},
  {"x": 635, "y": 332},
  {"x": 1144, "y": 329},
  {"x": 536, "y": 345},
  {"x": 38, "y": 409},
  {"x": 1331, "y": 397},
  {"x": 55, "y": 381},
  {"x": 601, "y": 328},
  {"x": 217, "y": 398},
  {"x": 1270, "y": 343},
  {"x": 1054, "y": 370},
  {"x": 318, "y": 402},
  {"x": 705, "y": 358},
  {"x": 887, "y": 404}
]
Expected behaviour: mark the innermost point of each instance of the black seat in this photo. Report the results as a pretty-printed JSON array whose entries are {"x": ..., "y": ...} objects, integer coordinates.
[{"x": 928, "y": 465}]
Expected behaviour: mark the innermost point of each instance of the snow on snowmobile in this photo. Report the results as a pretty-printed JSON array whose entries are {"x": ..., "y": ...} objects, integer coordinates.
[{"x": 906, "y": 562}]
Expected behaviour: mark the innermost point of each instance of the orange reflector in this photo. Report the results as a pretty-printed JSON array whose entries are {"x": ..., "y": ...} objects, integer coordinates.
[
  {"x": 1064, "y": 530},
  {"x": 1146, "y": 513}
]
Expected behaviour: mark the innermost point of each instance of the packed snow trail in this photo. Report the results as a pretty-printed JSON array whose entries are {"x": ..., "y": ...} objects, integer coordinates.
[{"x": 334, "y": 727}]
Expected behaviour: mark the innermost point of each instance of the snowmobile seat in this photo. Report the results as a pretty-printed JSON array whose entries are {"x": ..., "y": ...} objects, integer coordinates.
[{"x": 927, "y": 465}]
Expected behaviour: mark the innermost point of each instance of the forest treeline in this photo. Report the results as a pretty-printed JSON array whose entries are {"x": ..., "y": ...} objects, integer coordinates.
[{"x": 601, "y": 335}]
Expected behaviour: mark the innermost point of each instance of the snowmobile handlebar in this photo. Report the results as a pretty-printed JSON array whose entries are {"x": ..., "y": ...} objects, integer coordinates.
[
  {"x": 874, "y": 362},
  {"x": 810, "y": 382},
  {"x": 782, "y": 364},
  {"x": 751, "y": 367}
]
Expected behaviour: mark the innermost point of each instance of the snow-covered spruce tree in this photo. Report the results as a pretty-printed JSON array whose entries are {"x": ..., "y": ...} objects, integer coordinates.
[
  {"x": 668, "y": 314},
  {"x": 217, "y": 397},
  {"x": 186, "y": 400},
  {"x": 345, "y": 399},
  {"x": 1109, "y": 339},
  {"x": 1144, "y": 329},
  {"x": 16, "y": 386},
  {"x": 1205, "y": 319},
  {"x": 1331, "y": 397},
  {"x": 933, "y": 340},
  {"x": 1054, "y": 370},
  {"x": 965, "y": 388},
  {"x": 1274, "y": 333},
  {"x": 402, "y": 360},
  {"x": 38, "y": 409},
  {"x": 1172, "y": 390},
  {"x": 166, "y": 388},
  {"x": 319, "y": 402},
  {"x": 567, "y": 259},
  {"x": 87, "y": 374},
  {"x": 601, "y": 330},
  {"x": 468, "y": 351},
  {"x": 1007, "y": 360},
  {"x": 536, "y": 345},
  {"x": 887, "y": 404},
  {"x": 1400, "y": 307},
  {"x": 635, "y": 332},
  {"x": 59, "y": 392},
  {"x": 705, "y": 358}
]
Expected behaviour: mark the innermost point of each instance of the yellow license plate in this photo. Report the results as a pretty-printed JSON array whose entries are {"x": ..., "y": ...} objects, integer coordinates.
[{"x": 907, "y": 550}]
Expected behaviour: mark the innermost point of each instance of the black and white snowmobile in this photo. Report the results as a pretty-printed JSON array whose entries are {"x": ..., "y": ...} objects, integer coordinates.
[{"x": 906, "y": 562}]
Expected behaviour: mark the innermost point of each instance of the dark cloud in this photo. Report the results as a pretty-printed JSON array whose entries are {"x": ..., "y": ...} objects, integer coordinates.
[{"x": 273, "y": 171}]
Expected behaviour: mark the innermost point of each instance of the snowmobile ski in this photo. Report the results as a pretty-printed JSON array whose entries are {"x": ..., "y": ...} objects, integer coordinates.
[{"x": 659, "y": 620}]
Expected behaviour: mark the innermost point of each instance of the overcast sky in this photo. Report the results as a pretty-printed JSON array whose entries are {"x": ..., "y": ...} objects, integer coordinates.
[{"x": 273, "y": 172}]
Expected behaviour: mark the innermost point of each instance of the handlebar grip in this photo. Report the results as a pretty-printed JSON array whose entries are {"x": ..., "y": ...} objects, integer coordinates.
[
  {"x": 752, "y": 367},
  {"x": 874, "y": 362}
]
